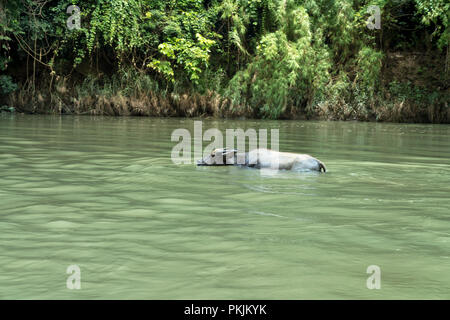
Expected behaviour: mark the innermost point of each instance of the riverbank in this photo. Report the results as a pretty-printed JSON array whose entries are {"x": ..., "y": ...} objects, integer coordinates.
[
  {"x": 211, "y": 104},
  {"x": 137, "y": 94}
]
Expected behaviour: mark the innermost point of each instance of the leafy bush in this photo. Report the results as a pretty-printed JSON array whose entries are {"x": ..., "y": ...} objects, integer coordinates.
[{"x": 7, "y": 85}]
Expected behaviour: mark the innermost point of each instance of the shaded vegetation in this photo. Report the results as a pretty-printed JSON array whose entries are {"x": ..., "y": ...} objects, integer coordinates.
[{"x": 253, "y": 58}]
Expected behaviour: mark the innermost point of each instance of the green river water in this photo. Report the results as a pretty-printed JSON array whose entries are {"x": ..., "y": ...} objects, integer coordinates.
[{"x": 102, "y": 193}]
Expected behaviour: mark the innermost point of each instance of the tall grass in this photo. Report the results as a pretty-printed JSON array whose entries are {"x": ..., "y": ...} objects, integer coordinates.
[
  {"x": 125, "y": 93},
  {"x": 130, "y": 93}
]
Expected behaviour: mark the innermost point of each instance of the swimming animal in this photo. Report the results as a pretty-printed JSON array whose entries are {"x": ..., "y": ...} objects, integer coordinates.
[{"x": 262, "y": 158}]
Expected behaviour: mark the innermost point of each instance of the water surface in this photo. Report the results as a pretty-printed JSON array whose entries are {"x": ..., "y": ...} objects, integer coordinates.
[{"x": 102, "y": 193}]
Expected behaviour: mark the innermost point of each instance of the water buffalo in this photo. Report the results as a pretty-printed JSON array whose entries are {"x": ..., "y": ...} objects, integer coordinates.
[{"x": 262, "y": 158}]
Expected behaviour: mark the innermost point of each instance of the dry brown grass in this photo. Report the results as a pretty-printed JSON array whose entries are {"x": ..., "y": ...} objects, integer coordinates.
[{"x": 63, "y": 97}]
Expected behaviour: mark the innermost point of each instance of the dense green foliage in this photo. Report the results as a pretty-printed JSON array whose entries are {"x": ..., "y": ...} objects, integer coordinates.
[{"x": 264, "y": 58}]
